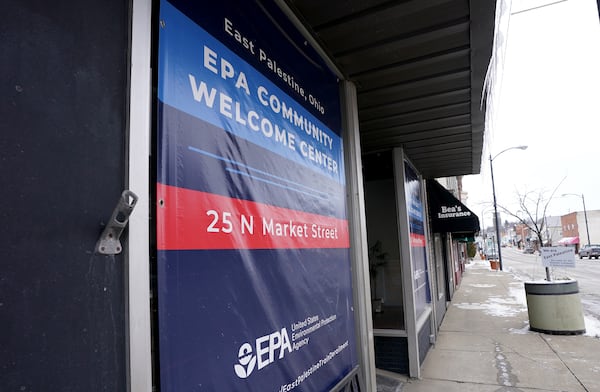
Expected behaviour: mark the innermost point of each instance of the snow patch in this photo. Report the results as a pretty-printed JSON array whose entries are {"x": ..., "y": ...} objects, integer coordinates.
[
  {"x": 477, "y": 263},
  {"x": 592, "y": 326},
  {"x": 499, "y": 307},
  {"x": 517, "y": 291},
  {"x": 508, "y": 306},
  {"x": 522, "y": 331},
  {"x": 482, "y": 285}
]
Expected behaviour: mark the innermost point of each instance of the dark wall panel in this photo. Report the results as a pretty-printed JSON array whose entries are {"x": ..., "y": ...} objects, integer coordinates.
[
  {"x": 391, "y": 353},
  {"x": 62, "y": 164},
  {"x": 424, "y": 340}
]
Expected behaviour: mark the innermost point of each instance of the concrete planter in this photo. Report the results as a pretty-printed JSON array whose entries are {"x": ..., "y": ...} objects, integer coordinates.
[{"x": 555, "y": 307}]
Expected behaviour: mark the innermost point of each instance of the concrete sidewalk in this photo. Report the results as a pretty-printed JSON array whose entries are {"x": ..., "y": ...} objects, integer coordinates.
[{"x": 485, "y": 345}]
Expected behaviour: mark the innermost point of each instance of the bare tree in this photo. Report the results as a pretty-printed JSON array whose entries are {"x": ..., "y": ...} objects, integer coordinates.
[{"x": 534, "y": 206}]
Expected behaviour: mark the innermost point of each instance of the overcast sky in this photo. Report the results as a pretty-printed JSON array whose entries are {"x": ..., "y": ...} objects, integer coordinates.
[{"x": 550, "y": 101}]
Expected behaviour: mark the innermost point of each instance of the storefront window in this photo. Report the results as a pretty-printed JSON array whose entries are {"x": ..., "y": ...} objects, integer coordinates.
[
  {"x": 382, "y": 233},
  {"x": 414, "y": 206}
]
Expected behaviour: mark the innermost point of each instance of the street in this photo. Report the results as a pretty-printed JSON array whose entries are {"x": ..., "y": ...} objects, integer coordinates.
[{"x": 586, "y": 272}]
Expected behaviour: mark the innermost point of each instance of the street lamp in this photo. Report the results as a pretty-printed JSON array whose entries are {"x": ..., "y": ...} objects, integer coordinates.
[
  {"x": 584, "y": 213},
  {"x": 495, "y": 205}
]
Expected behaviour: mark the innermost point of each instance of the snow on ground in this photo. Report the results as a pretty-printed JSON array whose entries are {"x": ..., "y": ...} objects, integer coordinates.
[
  {"x": 477, "y": 263},
  {"x": 522, "y": 331},
  {"x": 498, "y": 306},
  {"x": 515, "y": 303},
  {"x": 592, "y": 326},
  {"x": 482, "y": 285}
]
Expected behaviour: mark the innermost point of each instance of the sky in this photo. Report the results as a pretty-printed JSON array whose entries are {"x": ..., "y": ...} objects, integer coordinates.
[{"x": 548, "y": 99}]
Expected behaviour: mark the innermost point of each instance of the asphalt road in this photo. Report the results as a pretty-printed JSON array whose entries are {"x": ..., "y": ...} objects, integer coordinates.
[{"x": 586, "y": 272}]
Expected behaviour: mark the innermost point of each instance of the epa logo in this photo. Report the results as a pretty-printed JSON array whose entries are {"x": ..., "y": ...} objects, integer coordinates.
[
  {"x": 267, "y": 350},
  {"x": 246, "y": 360}
]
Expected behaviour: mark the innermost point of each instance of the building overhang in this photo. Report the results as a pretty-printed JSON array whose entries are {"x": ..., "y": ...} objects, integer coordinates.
[
  {"x": 419, "y": 69},
  {"x": 568, "y": 241}
]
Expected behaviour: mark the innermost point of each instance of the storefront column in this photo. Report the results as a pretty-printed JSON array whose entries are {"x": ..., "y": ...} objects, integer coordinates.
[
  {"x": 139, "y": 375},
  {"x": 357, "y": 223},
  {"x": 406, "y": 266}
]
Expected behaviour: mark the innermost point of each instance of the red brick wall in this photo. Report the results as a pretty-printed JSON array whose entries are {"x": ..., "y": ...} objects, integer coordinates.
[{"x": 569, "y": 225}]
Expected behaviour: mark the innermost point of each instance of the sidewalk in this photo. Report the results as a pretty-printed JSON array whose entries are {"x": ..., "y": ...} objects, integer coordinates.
[{"x": 485, "y": 345}]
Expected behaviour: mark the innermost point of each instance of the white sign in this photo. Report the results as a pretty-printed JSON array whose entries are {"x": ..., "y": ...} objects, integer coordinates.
[{"x": 558, "y": 256}]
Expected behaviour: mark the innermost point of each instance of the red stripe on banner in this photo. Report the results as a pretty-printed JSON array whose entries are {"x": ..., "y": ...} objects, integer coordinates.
[
  {"x": 417, "y": 240},
  {"x": 188, "y": 219}
]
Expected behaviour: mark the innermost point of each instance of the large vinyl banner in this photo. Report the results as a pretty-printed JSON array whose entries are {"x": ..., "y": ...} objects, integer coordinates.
[{"x": 254, "y": 283}]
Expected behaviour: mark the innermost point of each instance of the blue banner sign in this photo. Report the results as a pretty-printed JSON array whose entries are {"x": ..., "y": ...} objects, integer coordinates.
[
  {"x": 418, "y": 245},
  {"x": 253, "y": 263}
]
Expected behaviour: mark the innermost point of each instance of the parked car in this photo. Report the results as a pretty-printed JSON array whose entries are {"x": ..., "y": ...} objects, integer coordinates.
[{"x": 590, "y": 251}]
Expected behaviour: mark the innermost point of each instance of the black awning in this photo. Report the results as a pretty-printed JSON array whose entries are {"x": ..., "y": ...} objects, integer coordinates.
[{"x": 448, "y": 214}]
